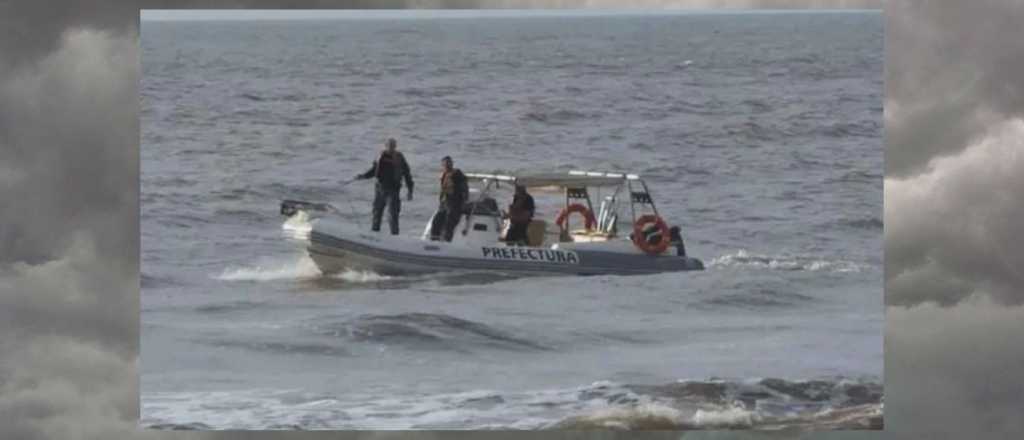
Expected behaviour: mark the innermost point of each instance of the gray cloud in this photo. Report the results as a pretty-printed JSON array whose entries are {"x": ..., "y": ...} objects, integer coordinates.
[
  {"x": 70, "y": 129},
  {"x": 953, "y": 207},
  {"x": 61, "y": 388},
  {"x": 954, "y": 372},
  {"x": 953, "y": 231},
  {"x": 32, "y": 29},
  {"x": 955, "y": 99},
  {"x": 952, "y": 69},
  {"x": 69, "y": 265}
]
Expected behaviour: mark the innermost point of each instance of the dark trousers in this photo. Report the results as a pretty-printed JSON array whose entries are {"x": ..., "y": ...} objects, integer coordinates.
[
  {"x": 445, "y": 220},
  {"x": 388, "y": 197},
  {"x": 517, "y": 233}
]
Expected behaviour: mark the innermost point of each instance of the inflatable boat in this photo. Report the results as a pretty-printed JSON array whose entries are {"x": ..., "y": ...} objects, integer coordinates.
[{"x": 594, "y": 247}]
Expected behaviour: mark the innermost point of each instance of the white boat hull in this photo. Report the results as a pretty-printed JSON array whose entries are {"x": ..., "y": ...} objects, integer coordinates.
[{"x": 336, "y": 247}]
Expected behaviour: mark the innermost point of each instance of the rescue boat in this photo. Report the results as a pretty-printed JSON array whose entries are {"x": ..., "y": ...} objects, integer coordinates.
[{"x": 595, "y": 246}]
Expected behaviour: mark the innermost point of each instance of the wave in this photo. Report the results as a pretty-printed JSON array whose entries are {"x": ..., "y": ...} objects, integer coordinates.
[
  {"x": 555, "y": 116},
  {"x": 770, "y": 404},
  {"x": 234, "y": 194},
  {"x": 758, "y": 298},
  {"x": 711, "y": 107},
  {"x": 280, "y": 190},
  {"x": 229, "y": 307},
  {"x": 857, "y": 176},
  {"x": 282, "y": 120},
  {"x": 147, "y": 281},
  {"x": 182, "y": 220},
  {"x": 760, "y": 404},
  {"x": 637, "y": 417},
  {"x": 757, "y": 105},
  {"x": 430, "y": 92},
  {"x": 285, "y": 348},
  {"x": 728, "y": 418},
  {"x": 240, "y": 215},
  {"x": 445, "y": 103},
  {"x": 871, "y": 223},
  {"x": 428, "y": 331},
  {"x": 869, "y": 129},
  {"x": 291, "y": 97},
  {"x": 753, "y": 131},
  {"x": 743, "y": 258},
  {"x": 808, "y": 58},
  {"x": 170, "y": 182}
]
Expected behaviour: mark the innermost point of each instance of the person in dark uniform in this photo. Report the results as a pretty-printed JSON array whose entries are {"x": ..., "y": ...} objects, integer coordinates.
[
  {"x": 520, "y": 212},
  {"x": 390, "y": 169},
  {"x": 454, "y": 193}
]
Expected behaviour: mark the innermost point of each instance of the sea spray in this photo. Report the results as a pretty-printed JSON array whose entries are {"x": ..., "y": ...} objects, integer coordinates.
[{"x": 300, "y": 268}]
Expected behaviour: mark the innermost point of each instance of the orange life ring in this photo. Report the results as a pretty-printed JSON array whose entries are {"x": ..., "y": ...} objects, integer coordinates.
[
  {"x": 640, "y": 240},
  {"x": 591, "y": 222}
]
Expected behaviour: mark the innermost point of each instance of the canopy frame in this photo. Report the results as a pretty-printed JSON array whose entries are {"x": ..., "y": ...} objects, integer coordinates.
[{"x": 574, "y": 185}]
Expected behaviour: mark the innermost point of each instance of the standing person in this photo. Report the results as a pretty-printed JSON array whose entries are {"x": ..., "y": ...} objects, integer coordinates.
[
  {"x": 454, "y": 193},
  {"x": 520, "y": 212},
  {"x": 389, "y": 169}
]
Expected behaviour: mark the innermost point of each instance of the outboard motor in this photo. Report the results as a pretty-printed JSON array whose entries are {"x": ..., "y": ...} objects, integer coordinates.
[
  {"x": 290, "y": 207},
  {"x": 677, "y": 241}
]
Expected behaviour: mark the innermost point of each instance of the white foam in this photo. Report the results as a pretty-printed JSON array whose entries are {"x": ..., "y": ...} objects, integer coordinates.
[
  {"x": 560, "y": 408},
  {"x": 625, "y": 417},
  {"x": 257, "y": 409},
  {"x": 730, "y": 417},
  {"x": 297, "y": 226},
  {"x": 300, "y": 268},
  {"x": 357, "y": 276},
  {"x": 784, "y": 262}
]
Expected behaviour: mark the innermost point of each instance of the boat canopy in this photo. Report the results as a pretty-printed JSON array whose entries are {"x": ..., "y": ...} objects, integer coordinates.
[{"x": 572, "y": 179}]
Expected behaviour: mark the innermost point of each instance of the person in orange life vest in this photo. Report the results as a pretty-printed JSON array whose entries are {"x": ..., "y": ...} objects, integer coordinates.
[{"x": 454, "y": 193}]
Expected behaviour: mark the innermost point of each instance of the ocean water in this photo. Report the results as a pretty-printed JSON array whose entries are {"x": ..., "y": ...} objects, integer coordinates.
[{"x": 759, "y": 133}]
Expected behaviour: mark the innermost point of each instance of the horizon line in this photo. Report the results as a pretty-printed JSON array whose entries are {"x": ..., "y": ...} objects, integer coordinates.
[{"x": 378, "y": 14}]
